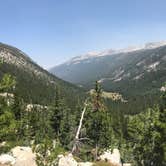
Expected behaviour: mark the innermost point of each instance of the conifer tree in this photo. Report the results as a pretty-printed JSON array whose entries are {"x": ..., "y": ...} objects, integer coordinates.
[
  {"x": 147, "y": 133},
  {"x": 7, "y": 118},
  {"x": 97, "y": 122},
  {"x": 57, "y": 113}
]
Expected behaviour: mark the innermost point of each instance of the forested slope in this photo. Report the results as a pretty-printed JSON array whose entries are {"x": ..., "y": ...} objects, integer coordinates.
[{"x": 34, "y": 83}]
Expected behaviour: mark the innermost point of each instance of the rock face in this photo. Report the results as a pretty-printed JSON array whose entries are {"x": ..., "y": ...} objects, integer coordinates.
[
  {"x": 85, "y": 164},
  {"x": 20, "y": 156},
  {"x": 24, "y": 156},
  {"x": 11, "y": 55},
  {"x": 127, "y": 164},
  {"x": 67, "y": 160},
  {"x": 7, "y": 159},
  {"x": 113, "y": 157}
]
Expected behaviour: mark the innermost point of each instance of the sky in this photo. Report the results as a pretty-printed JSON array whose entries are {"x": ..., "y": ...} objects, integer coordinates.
[{"x": 53, "y": 31}]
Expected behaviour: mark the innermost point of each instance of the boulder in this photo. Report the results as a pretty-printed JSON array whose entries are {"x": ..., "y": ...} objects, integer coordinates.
[
  {"x": 7, "y": 159},
  {"x": 2, "y": 144},
  {"x": 113, "y": 158},
  {"x": 67, "y": 160},
  {"x": 24, "y": 156},
  {"x": 85, "y": 164},
  {"x": 127, "y": 164},
  {"x": 106, "y": 155}
]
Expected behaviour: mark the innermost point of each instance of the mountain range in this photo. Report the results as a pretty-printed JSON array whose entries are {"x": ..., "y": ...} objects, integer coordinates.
[
  {"x": 136, "y": 73},
  {"x": 125, "y": 70}
]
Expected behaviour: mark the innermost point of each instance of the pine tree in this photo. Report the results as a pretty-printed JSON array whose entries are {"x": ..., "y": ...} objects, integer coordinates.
[
  {"x": 57, "y": 113},
  {"x": 19, "y": 110},
  {"x": 97, "y": 120},
  {"x": 147, "y": 133},
  {"x": 7, "y": 83},
  {"x": 8, "y": 123},
  {"x": 65, "y": 135}
]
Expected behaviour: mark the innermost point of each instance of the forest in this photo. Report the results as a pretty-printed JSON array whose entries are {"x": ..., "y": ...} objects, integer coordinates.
[{"x": 86, "y": 129}]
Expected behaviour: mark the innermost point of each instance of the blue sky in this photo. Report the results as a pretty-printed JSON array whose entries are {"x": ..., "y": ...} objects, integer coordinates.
[{"x": 53, "y": 31}]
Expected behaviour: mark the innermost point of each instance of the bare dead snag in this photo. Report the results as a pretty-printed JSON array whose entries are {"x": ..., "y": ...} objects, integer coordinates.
[{"x": 76, "y": 139}]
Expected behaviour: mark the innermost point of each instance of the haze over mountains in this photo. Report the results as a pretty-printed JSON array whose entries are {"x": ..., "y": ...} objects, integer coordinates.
[{"x": 133, "y": 70}]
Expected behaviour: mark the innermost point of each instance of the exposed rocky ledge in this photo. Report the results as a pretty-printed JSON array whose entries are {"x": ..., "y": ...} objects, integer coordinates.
[{"x": 23, "y": 156}]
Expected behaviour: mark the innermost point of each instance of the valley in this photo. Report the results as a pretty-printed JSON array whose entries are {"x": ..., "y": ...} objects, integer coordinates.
[
  {"x": 83, "y": 83},
  {"x": 120, "y": 70},
  {"x": 137, "y": 73},
  {"x": 118, "y": 110}
]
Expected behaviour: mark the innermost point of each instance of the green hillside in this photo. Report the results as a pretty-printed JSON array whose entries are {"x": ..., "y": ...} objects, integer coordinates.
[
  {"x": 63, "y": 125},
  {"x": 34, "y": 83}
]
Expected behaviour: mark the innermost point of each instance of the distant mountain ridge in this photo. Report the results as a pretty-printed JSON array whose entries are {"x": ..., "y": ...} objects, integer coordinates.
[
  {"x": 110, "y": 52},
  {"x": 34, "y": 83},
  {"x": 134, "y": 70}
]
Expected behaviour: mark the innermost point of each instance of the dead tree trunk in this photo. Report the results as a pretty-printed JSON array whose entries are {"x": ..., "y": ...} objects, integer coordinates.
[{"x": 76, "y": 139}]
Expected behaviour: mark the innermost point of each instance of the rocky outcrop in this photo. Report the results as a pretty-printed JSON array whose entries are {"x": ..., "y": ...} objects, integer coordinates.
[
  {"x": 127, "y": 164},
  {"x": 113, "y": 157},
  {"x": 19, "y": 156},
  {"x": 67, "y": 160},
  {"x": 6, "y": 159},
  {"x": 38, "y": 107},
  {"x": 85, "y": 164},
  {"x": 24, "y": 156},
  {"x": 14, "y": 56}
]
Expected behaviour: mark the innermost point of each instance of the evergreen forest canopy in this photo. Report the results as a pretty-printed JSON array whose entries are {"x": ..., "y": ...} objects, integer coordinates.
[
  {"x": 33, "y": 83},
  {"x": 140, "y": 137}
]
